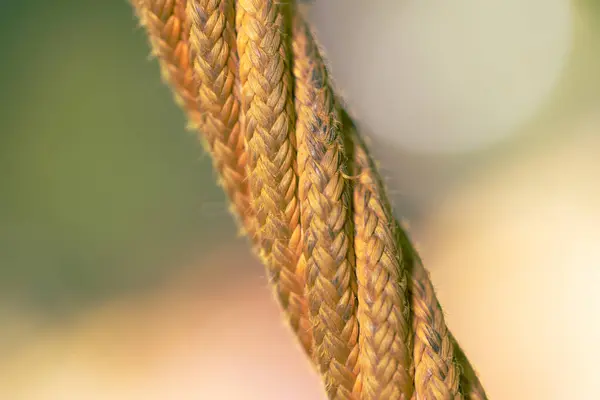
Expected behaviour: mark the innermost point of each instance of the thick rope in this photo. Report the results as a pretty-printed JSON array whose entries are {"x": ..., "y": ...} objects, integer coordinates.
[
  {"x": 208, "y": 95},
  {"x": 384, "y": 310},
  {"x": 268, "y": 118},
  {"x": 436, "y": 371},
  {"x": 432, "y": 338},
  {"x": 326, "y": 221},
  {"x": 212, "y": 38},
  {"x": 292, "y": 172},
  {"x": 168, "y": 28}
]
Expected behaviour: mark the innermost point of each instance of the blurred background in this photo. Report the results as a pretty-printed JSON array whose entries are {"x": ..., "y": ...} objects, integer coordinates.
[{"x": 122, "y": 275}]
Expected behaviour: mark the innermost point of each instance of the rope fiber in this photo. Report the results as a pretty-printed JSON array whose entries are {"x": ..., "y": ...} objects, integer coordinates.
[{"x": 303, "y": 187}]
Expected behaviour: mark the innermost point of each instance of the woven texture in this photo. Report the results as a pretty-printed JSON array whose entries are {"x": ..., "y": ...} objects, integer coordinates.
[
  {"x": 384, "y": 311},
  {"x": 268, "y": 117},
  {"x": 326, "y": 221},
  {"x": 252, "y": 81}
]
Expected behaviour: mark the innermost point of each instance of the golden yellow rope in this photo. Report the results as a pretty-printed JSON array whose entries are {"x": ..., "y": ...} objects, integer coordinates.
[
  {"x": 437, "y": 374},
  {"x": 268, "y": 118},
  {"x": 423, "y": 301},
  {"x": 292, "y": 172},
  {"x": 384, "y": 310},
  {"x": 215, "y": 114},
  {"x": 326, "y": 221},
  {"x": 168, "y": 28},
  {"x": 430, "y": 332},
  {"x": 215, "y": 64}
]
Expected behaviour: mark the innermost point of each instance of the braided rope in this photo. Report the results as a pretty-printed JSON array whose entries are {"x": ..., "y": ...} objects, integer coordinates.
[
  {"x": 168, "y": 28},
  {"x": 286, "y": 174},
  {"x": 384, "y": 310},
  {"x": 446, "y": 368},
  {"x": 326, "y": 221},
  {"x": 212, "y": 38},
  {"x": 436, "y": 372},
  {"x": 209, "y": 98},
  {"x": 268, "y": 116}
]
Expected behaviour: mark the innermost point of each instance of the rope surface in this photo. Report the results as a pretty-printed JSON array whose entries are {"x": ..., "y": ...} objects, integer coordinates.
[
  {"x": 384, "y": 310},
  {"x": 326, "y": 220},
  {"x": 212, "y": 39},
  {"x": 300, "y": 179},
  {"x": 268, "y": 117}
]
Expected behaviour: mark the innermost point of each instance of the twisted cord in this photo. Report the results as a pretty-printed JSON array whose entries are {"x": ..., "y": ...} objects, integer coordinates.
[
  {"x": 212, "y": 39},
  {"x": 326, "y": 220},
  {"x": 442, "y": 371},
  {"x": 168, "y": 28},
  {"x": 437, "y": 367},
  {"x": 383, "y": 311},
  {"x": 268, "y": 115},
  {"x": 437, "y": 373},
  {"x": 169, "y": 24},
  {"x": 438, "y": 360}
]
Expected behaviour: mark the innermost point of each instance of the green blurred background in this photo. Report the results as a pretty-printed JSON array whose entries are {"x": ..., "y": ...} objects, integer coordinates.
[{"x": 100, "y": 187}]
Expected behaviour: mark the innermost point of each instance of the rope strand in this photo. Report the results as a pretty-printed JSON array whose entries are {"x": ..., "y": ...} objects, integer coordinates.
[
  {"x": 181, "y": 59},
  {"x": 168, "y": 28},
  {"x": 436, "y": 361},
  {"x": 384, "y": 312},
  {"x": 212, "y": 39},
  {"x": 436, "y": 373},
  {"x": 326, "y": 222},
  {"x": 268, "y": 112}
]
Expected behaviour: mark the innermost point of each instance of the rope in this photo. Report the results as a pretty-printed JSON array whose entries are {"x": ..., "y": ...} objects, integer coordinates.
[
  {"x": 212, "y": 38},
  {"x": 268, "y": 117},
  {"x": 168, "y": 29},
  {"x": 253, "y": 83},
  {"x": 384, "y": 310},
  {"x": 326, "y": 221}
]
